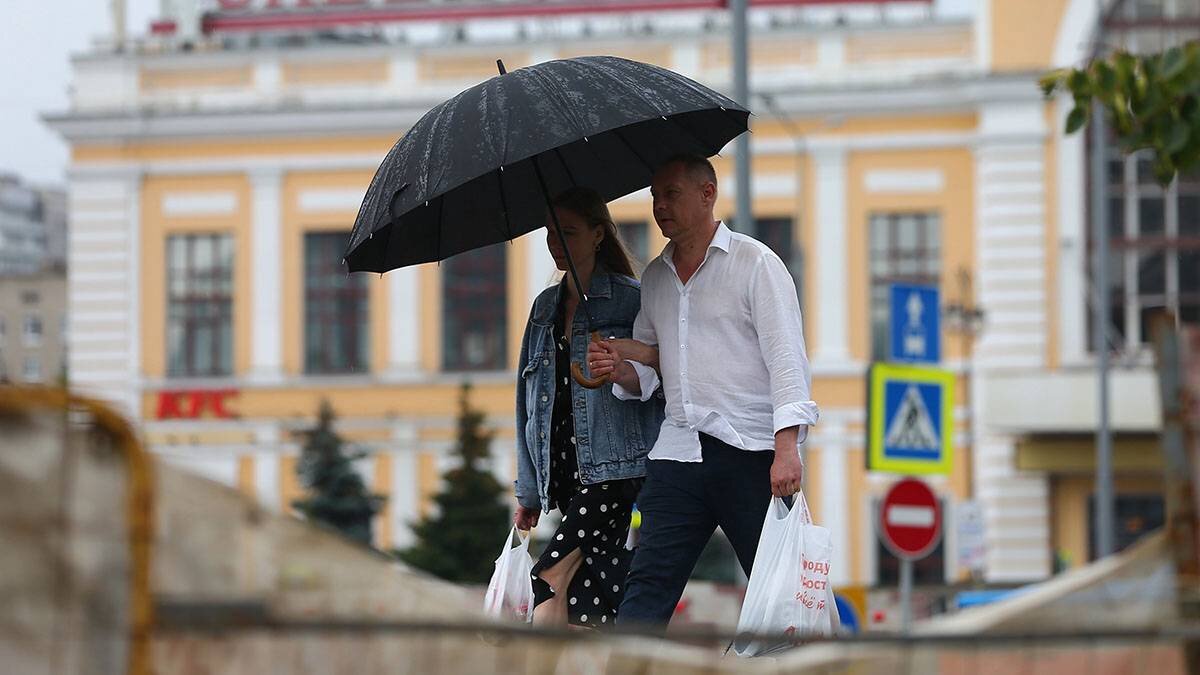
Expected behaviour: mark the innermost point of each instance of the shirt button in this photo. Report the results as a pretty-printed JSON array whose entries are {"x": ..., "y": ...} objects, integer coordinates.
[
  {"x": 545, "y": 398},
  {"x": 545, "y": 362}
]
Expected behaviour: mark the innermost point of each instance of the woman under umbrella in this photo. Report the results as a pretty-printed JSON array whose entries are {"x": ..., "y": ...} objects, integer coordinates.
[{"x": 580, "y": 450}]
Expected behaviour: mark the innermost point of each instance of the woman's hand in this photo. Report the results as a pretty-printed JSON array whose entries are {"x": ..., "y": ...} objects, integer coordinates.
[{"x": 525, "y": 518}]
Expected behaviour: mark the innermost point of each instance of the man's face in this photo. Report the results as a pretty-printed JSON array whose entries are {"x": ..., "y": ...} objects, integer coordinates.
[{"x": 681, "y": 200}]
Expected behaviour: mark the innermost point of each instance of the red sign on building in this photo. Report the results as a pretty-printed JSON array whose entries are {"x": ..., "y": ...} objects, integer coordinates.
[{"x": 195, "y": 404}]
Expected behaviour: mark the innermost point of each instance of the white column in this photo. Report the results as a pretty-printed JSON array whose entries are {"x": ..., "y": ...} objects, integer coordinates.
[
  {"x": 832, "y": 308},
  {"x": 541, "y": 266},
  {"x": 1072, "y": 251},
  {"x": 402, "y": 73},
  {"x": 133, "y": 300},
  {"x": 835, "y": 506},
  {"x": 268, "y": 78},
  {"x": 983, "y": 35},
  {"x": 266, "y": 330},
  {"x": 685, "y": 58},
  {"x": 104, "y": 209},
  {"x": 831, "y": 51},
  {"x": 266, "y": 467},
  {"x": 405, "y": 479},
  {"x": 404, "y": 301}
]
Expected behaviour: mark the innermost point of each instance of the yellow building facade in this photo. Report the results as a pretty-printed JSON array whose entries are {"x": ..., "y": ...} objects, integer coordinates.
[{"x": 891, "y": 142}]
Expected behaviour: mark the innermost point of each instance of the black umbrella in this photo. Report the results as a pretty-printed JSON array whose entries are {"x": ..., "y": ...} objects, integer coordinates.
[{"x": 481, "y": 167}]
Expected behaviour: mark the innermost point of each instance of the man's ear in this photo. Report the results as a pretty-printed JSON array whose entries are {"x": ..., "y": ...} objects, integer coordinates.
[{"x": 709, "y": 191}]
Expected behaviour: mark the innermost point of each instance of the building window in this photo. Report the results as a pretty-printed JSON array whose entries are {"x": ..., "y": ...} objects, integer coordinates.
[
  {"x": 30, "y": 297},
  {"x": 3, "y": 330},
  {"x": 336, "y": 331},
  {"x": 930, "y": 570},
  {"x": 33, "y": 330},
  {"x": 1136, "y": 516},
  {"x": 636, "y": 235},
  {"x": 32, "y": 370},
  {"x": 475, "y": 310},
  {"x": 1154, "y": 262},
  {"x": 904, "y": 248},
  {"x": 200, "y": 305},
  {"x": 776, "y": 233}
]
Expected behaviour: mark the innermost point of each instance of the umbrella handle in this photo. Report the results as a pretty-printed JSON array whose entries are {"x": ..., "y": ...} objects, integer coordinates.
[{"x": 583, "y": 380}]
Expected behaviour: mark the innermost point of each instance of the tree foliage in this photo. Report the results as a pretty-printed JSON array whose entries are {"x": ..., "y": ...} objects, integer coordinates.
[
  {"x": 1152, "y": 102},
  {"x": 337, "y": 496},
  {"x": 459, "y": 540}
]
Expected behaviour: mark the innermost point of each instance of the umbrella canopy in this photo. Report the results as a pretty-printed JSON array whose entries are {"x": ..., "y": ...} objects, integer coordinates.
[{"x": 479, "y": 168}]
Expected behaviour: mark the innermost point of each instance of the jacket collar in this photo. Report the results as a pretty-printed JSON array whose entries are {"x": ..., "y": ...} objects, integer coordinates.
[{"x": 600, "y": 287}]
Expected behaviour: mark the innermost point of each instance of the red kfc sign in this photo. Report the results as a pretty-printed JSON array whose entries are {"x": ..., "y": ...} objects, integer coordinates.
[{"x": 195, "y": 403}]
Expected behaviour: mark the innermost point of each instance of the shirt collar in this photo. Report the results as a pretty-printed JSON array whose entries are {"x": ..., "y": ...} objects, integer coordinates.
[{"x": 722, "y": 239}]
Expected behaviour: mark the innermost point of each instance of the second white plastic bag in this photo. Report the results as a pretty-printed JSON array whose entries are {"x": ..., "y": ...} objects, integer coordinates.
[{"x": 788, "y": 595}]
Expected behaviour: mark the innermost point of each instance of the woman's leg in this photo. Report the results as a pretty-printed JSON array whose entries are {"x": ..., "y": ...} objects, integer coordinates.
[{"x": 553, "y": 612}]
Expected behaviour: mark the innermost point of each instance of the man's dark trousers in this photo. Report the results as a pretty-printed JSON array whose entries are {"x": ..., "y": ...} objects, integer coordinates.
[{"x": 681, "y": 504}]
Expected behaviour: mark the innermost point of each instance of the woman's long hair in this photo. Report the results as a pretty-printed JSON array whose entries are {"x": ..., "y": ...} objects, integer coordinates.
[{"x": 586, "y": 203}]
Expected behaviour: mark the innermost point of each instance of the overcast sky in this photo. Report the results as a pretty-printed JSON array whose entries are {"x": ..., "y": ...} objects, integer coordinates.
[{"x": 35, "y": 73}]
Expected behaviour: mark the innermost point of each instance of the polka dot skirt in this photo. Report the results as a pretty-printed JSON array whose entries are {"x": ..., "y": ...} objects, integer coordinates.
[
  {"x": 596, "y": 521},
  {"x": 595, "y": 517}
]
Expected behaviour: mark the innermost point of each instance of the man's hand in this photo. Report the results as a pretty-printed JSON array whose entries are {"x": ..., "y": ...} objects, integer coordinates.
[
  {"x": 526, "y": 519},
  {"x": 635, "y": 350},
  {"x": 787, "y": 473}
]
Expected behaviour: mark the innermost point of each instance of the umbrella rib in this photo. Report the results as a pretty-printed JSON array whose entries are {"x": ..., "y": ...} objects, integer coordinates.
[
  {"x": 504, "y": 203},
  {"x": 700, "y": 143},
  {"x": 393, "y": 217},
  {"x": 629, "y": 146},
  {"x": 561, "y": 160},
  {"x": 438, "y": 228}
]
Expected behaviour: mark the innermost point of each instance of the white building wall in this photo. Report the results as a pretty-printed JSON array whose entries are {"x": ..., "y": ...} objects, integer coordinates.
[
  {"x": 1010, "y": 231},
  {"x": 104, "y": 353}
]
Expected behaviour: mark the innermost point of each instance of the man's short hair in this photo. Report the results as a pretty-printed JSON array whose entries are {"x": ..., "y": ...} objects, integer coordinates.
[{"x": 696, "y": 166}]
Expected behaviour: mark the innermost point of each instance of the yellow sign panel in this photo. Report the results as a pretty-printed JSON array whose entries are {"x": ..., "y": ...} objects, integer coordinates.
[{"x": 910, "y": 424}]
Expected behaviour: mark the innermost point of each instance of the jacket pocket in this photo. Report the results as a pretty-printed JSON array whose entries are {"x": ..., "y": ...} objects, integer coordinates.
[{"x": 534, "y": 376}]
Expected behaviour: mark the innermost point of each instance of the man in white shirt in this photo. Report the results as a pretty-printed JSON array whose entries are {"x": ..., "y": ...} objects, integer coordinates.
[{"x": 722, "y": 309}]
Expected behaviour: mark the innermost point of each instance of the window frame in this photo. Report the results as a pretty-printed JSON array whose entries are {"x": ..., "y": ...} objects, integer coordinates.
[
  {"x": 355, "y": 292},
  {"x": 194, "y": 300},
  {"x": 926, "y": 259},
  {"x": 468, "y": 308}
]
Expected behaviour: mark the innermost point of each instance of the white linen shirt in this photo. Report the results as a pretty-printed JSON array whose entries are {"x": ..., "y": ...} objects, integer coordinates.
[{"x": 731, "y": 349}]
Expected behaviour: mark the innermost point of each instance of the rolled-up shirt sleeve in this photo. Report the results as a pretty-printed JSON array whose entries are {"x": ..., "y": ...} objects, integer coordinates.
[
  {"x": 776, "y": 315},
  {"x": 643, "y": 331},
  {"x": 647, "y": 378}
]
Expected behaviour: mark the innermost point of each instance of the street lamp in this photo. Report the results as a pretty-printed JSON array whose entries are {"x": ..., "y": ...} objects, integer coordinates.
[{"x": 966, "y": 319}]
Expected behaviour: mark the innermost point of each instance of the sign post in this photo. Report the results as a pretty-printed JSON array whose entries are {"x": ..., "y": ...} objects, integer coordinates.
[{"x": 910, "y": 521}]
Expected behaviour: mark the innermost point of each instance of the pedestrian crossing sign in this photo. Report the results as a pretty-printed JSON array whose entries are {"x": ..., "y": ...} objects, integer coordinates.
[{"x": 910, "y": 421}]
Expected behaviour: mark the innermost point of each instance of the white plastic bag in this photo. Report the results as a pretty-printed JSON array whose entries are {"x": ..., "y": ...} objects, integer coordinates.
[
  {"x": 510, "y": 592},
  {"x": 788, "y": 596}
]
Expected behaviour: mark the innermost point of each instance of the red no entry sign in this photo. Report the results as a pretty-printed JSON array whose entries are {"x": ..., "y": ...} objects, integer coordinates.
[{"x": 910, "y": 519}]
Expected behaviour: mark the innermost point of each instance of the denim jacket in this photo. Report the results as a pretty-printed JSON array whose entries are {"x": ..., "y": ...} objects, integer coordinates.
[{"x": 612, "y": 436}]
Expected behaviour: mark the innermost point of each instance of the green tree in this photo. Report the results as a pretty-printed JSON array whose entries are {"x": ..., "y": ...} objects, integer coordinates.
[
  {"x": 1152, "y": 102},
  {"x": 337, "y": 497},
  {"x": 460, "y": 539}
]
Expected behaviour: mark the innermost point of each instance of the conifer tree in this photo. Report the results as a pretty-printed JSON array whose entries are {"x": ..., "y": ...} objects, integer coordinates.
[
  {"x": 459, "y": 540},
  {"x": 337, "y": 496}
]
